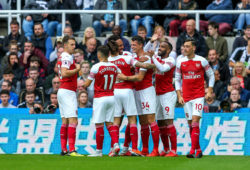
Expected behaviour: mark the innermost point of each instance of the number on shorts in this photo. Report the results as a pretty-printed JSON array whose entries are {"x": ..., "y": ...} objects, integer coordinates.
[
  {"x": 106, "y": 76},
  {"x": 167, "y": 109},
  {"x": 198, "y": 106},
  {"x": 145, "y": 105}
]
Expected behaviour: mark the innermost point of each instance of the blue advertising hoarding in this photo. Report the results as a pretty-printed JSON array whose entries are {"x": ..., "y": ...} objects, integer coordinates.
[{"x": 22, "y": 133}]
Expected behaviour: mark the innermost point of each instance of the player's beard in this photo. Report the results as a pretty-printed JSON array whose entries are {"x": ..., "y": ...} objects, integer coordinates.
[{"x": 162, "y": 53}]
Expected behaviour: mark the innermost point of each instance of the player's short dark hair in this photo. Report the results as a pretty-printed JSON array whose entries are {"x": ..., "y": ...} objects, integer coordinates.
[
  {"x": 190, "y": 40},
  {"x": 113, "y": 47},
  {"x": 142, "y": 28},
  {"x": 138, "y": 38},
  {"x": 4, "y": 92},
  {"x": 213, "y": 24},
  {"x": 114, "y": 38},
  {"x": 8, "y": 70},
  {"x": 167, "y": 42},
  {"x": 104, "y": 50},
  {"x": 66, "y": 39},
  {"x": 14, "y": 22}
]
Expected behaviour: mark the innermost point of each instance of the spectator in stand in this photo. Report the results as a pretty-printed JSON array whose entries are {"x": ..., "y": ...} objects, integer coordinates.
[
  {"x": 29, "y": 20},
  {"x": 52, "y": 105},
  {"x": 90, "y": 52},
  {"x": 49, "y": 78},
  {"x": 241, "y": 54},
  {"x": 176, "y": 23},
  {"x": 217, "y": 42},
  {"x": 72, "y": 20},
  {"x": 145, "y": 20},
  {"x": 68, "y": 31},
  {"x": 78, "y": 56},
  {"x": 80, "y": 86},
  {"x": 33, "y": 72},
  {"x": 41, "y": 40},
  {"x": 14, "y": 35},
  {"x": 219, "y": 86},
  {"x": 105, "y": 22},
  {"x": 57, "y": 51},
  {"x": 217, "y": 64},
  {"x": 35, "y": 62},
  {"x": 242, "y": 19},
  {"x": 29, "y": 51},
  {"x": 4, "y": 98},
  {"x": 154, "y": 43},
  {"x": 12, "y": 62},
  {"x": 211, "y": 104},
  {"x": 239, "y": 71},
  {"x": 235, "y": 84},
  {"x": 29, "y": 100},
  {"x": 84, "y": 72},
  {"x": 8, "y": 74},
  {"x": 235, "y": 101},
  {"x": 6, "y": 85},
  {"x": 242, "y": 41},
  {"x": 89, "y": 32},
  {"x": 85, "y": 4},
  {"x": 30, "y": 86},
  {"x": 13, "y": 48},
  {"x": 142, "y": 31},
  {"x": 225, "y": 21},
  {"x": 55, "y": 86},
  {"x": 191, "y": 32},
  {"x": 37, "y": 108},
  {"x": 117, "y": 31},
  {"x": 82, "y": 99}
]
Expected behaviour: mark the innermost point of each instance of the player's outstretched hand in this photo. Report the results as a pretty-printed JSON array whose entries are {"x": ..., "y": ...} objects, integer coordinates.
[
  {"x": 150, "y": 53},
  {"x": 143, "y": 58},
  {"x": 181, "y": 100},
  {"x": 121, "y": 77}
]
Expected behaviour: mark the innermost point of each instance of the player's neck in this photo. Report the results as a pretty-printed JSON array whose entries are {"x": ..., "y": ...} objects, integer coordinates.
[
  {"x": 66, "y": 51},
  {"x": 191, "y": 56},
  {"x": 165, "y": 56},
  {"x": 140, "y": 53},
  {"x": 104, "y": 60}
]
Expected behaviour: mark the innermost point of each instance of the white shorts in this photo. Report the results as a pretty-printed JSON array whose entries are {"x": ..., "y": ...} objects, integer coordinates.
[
  {"x": 67, "y": 103},
  {"x": 146, "y": 101},
  {"x": 165, "y": 105},
  {"x": 103, "y": 109},
  {"x": 124, "y": 102},
  {"x": 194, "y": 108}
]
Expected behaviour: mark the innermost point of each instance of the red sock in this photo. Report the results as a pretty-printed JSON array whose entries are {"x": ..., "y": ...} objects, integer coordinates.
[
  {"x": 155, "y": 134},
  {"x": 99, "y": 136},
  {"x": 114, "y": 133},
  {"x": 190, "y": 130},
  {"x": 144, "y": 136},
  {"x": 127, "y": 139},
  {"x": 116, "y": 127},
  {"x": 72, "y": 136},
  {"x": 173, "y": 137},
  {"x": 195, "y": 137},
  {"x": 63, "y": 136},
  {"x": 134, "y": 136},
  {"x": 164, "y": 137}
]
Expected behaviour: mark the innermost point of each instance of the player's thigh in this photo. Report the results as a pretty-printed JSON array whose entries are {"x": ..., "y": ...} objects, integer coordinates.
[
  {"x": 138, "y": 102},
  {"x": 159, "y": 112},
  {"x": 188, "y": 110},
  {"x": 197, "y": 106},
  {"x": 67, "y": 103},
  {"x": 148, "y": 100},
  {"x": 168, "y": 102},
  {"x": 99, "y": 110},
  {"x": 110, "y": 109}
]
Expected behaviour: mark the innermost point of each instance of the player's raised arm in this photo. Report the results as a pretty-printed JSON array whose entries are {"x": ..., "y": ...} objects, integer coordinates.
[{"x": 166, "y": 66}]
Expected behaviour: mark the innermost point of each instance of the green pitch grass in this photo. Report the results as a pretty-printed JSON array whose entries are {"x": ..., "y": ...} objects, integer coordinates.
[{"x": 54, "y": 162}]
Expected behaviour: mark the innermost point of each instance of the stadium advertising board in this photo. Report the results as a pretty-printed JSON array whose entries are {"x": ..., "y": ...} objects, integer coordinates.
[{"x": 22, "y": 133}]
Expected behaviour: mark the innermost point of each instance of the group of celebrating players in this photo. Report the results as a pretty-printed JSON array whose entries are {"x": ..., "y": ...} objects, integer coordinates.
[{"x": 123, "y": 85}]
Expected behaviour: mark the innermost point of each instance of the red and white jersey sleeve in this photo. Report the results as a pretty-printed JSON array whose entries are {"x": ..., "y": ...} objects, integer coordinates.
[
  {"x": 124, "y": 63},
  {"x": 164, "y": 74},
  {"x": 104, "y": 75},
  {"x": 67, "y": 61},
  {"x": 147, "y": 81},
  {"x": 191, "y": 72}
]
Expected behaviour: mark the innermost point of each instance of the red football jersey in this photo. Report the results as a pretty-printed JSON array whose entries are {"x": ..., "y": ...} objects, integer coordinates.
[
  {"x": 147, "y": 81},
  {"x": 164, "y": 80},
  {"x": 104, "y": 74},
  {"x": 124, "y": 63},
  {"x": 192, "y": 75},
  {"x": 67, "y": 61}
]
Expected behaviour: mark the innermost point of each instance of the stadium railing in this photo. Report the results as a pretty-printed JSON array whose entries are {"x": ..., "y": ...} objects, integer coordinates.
[{"x": 10, "y": 13}]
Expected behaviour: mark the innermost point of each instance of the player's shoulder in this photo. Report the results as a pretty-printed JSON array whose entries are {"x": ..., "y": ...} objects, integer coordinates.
[
  {"x": 201, "y": 59},
  {"x": 66, "y": 56},
  {"x": 181, "y": 59}
]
